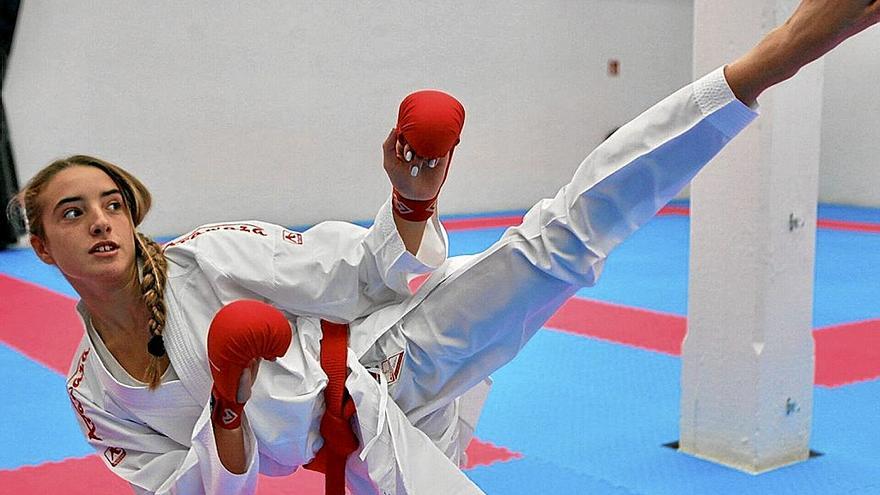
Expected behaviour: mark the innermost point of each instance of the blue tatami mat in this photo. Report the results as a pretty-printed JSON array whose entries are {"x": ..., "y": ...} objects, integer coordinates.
[
  {"x": 600, "y": 413},
  {"x": 38, "y": 422}
]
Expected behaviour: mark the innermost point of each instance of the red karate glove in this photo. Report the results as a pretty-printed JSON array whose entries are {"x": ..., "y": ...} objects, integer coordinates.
[
  {"x": 429, "y": 123},
  {"x": 240, "y": 333}
]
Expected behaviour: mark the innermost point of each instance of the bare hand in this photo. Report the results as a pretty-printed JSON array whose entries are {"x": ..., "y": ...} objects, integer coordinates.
[{"x": 399, "y": 161}]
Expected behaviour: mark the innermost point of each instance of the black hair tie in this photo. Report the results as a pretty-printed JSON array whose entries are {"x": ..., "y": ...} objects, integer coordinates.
[{"x": 156, "y": 346}]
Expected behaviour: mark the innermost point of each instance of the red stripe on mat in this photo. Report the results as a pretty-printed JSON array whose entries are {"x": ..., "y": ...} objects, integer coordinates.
[
  {"x": 459, "y": 224},
  {"x": 640, "y": 328},
  {"x": 845, "y": 225},
  {"x": 89, "y": 476},
  {"x": 80, "y": 476},
  {"x": 39, "y": 323},
  {"x": 674, "y": 210},
  {"x": 508, "y": 221},
  {"x": 480, "y": 453},
  {"x": 849, "y": 226},
  {"x": 847, "y": 353},
  {"x": 844, "y": 353}
]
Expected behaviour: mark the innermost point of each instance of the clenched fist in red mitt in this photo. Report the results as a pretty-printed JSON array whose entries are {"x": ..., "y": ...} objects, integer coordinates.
[
  {"x": 429, "y": 125},
  {"x": 241, "y": 333}
]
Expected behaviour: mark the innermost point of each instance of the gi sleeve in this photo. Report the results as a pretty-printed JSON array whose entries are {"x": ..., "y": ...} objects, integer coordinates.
[
  {"x": 335, "y": 270},
  {"x": 155, "y": 464}
]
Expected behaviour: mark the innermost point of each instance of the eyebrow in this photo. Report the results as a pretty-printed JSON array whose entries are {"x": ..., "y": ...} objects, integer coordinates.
[{"x": 74, "y": 199}]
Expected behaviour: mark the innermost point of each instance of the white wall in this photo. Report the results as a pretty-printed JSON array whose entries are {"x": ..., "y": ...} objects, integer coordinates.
[
  {"x": 277, "y": 111},
  {"x": 850, "y": 171}
]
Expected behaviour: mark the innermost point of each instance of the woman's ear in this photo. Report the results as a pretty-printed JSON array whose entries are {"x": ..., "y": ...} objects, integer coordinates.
[{"x": 42, "y": 250}]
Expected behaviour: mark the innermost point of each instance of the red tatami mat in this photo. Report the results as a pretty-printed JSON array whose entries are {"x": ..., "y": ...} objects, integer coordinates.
[
  {"x": 844, "y": 353},
  {"x": 39, "y": 323},
  {"x": 88, "y": 476}
]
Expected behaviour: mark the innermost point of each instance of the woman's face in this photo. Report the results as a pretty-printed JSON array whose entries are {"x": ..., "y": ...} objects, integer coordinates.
[{"x": 87, "y": 230}]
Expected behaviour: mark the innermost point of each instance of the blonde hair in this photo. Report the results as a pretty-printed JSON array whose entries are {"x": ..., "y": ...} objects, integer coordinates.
[{"x": 25, "y": 211}]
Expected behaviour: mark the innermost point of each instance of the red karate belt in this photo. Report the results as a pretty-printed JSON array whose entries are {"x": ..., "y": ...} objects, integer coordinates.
[{"x": 339, "y": 438}]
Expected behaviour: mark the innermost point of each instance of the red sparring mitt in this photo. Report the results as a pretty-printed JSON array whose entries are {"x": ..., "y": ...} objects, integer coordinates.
[
  {"x": 241, "y": 332},
  {"x": 430, "y": 122}
]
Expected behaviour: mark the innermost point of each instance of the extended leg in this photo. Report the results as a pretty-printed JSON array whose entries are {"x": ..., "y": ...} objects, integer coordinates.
[{"x": 484, "y": 311}]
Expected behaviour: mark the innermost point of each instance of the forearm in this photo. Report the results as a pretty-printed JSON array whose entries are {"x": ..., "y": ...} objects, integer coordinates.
[
  {"x": 411, "y": 233},
  {"x": 770, "y": 62},
  {"x": 814, "y": 29},
  {"x": 231, "y": 449},
  {"x": 757, "y": 70}
]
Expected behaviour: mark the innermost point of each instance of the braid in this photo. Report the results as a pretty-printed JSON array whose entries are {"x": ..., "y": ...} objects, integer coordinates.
[{"x": 155, "y": 272}]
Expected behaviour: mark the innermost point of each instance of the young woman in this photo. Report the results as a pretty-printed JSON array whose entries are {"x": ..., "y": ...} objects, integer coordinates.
[{"x": 242, "y": 307}]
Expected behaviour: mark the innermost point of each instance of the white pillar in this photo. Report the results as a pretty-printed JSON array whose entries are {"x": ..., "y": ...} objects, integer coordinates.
[{"x": 747, "y": 361}]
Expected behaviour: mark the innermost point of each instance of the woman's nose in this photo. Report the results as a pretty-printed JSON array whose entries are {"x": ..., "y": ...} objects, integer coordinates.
[{"x": 100, "y": 225}]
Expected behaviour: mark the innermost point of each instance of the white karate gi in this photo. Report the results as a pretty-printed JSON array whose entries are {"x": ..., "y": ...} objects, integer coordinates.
[{"x": 471, "y": 316}]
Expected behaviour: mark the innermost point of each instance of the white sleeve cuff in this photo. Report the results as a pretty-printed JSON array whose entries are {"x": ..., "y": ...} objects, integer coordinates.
[
  {"x": 392, "y": 253},
  {"x": 712, "y": 93},
  {"x": 433, "y": 250},
  {"x": 216, "y": 478}
]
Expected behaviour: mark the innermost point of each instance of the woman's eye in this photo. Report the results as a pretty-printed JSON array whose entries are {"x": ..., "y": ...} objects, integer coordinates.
[
  {"x": 115, "y": 205},
  {"x": 71, "y": 213}
]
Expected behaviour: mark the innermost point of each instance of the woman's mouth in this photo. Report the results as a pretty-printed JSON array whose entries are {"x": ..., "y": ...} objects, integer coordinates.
[{"x": 104, "y": 248}]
